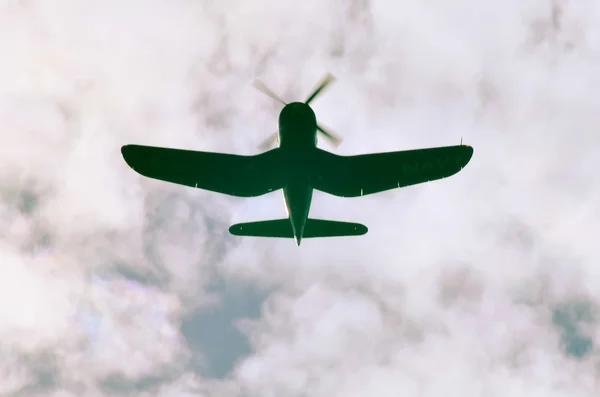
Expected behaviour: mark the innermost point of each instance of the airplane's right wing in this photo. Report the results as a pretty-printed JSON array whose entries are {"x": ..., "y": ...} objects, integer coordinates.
[
  {"x": 241, "y": 176},
  {"x": 353, "y": 176}
]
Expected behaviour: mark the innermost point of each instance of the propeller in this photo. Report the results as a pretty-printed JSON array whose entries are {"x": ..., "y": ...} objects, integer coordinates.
[
  {"x": 267, "y": 143},
  {"x": 325, "y": 82},
  {"x": 259, "y": 85},
  {"x": 328, "y": 79},
  {"x": 331, "y": 137}
]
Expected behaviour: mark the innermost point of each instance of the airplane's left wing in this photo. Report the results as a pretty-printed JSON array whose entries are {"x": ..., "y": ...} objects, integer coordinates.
[
  {"x": 235, "y": 175},
  {"x": 353, "y": 176}
]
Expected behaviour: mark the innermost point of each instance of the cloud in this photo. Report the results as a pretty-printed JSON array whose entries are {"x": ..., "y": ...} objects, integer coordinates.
[
  {"x": 97, "y": 274},
  {"x": 482, "y": 283}
]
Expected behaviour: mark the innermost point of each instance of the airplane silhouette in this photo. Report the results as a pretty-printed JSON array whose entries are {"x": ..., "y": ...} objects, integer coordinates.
[{"x": 298, "y": 167}]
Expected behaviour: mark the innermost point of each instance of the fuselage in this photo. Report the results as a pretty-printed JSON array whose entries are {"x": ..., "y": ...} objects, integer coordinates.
[{"x": 297, "y": 141}]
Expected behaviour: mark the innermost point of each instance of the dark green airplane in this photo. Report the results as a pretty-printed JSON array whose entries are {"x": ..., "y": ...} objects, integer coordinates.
[{"x": 298, "y": 167}]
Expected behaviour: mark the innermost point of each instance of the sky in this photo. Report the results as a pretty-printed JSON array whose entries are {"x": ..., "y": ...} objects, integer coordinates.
[{"x": 483, "y": 284}]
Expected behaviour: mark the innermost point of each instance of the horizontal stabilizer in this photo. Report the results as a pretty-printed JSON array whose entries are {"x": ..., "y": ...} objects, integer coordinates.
[{"x": 282, "y": 228}]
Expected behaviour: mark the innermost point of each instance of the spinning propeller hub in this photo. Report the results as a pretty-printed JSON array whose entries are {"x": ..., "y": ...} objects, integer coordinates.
[{"x": 300, "y": 110}]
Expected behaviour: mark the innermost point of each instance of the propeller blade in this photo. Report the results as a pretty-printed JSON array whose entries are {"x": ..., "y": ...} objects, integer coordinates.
[
  {"x": 330, "y": 78},
  {"x": 259, "y": 85},
  {"x": 267, "y": 143},
  {"x": 331, "y": 137}
]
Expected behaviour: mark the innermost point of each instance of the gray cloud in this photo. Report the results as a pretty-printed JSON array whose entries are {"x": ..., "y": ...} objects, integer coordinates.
[{"x": 483, "y": 284}]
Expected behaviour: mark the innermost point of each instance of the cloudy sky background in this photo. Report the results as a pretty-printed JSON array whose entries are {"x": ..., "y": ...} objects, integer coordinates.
[{"x": 486, "y": 283}]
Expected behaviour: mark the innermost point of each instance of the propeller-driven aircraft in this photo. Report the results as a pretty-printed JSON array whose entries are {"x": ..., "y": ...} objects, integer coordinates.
[{"x": 298, "y": 167}]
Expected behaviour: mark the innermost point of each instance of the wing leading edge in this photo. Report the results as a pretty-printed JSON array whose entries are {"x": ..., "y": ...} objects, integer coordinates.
[
  {"x": 234, "y": 175},
  {"x": 353, "y": 176}
]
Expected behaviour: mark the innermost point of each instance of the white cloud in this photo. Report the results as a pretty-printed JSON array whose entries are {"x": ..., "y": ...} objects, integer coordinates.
[{"x": 455, "y": 288}]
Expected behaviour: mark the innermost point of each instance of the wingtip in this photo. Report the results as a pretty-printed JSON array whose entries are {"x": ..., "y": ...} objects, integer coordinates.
[
  {"x": 129, "y": 155},
  {"x": 469, "y": 149},
  {"x": 469, "y": 155},
  {"x": 126, "y": 153},
  {"x": 125, "y": 149}
]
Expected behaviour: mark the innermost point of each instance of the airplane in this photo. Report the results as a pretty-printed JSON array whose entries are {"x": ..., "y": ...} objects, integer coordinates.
[{"x": 298, "y": 167}]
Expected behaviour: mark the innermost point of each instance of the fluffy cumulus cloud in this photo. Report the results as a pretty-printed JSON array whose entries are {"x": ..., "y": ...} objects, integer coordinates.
[{"x": 485, "y": 283}]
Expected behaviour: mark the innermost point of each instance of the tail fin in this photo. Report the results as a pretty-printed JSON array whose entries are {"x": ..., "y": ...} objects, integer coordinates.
[{"x": 282, "y": 228}]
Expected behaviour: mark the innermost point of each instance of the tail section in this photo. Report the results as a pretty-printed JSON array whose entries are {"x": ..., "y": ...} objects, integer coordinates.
[
  {"x": 282, "y": 228},
  {"x": 324, "y": 228}
]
